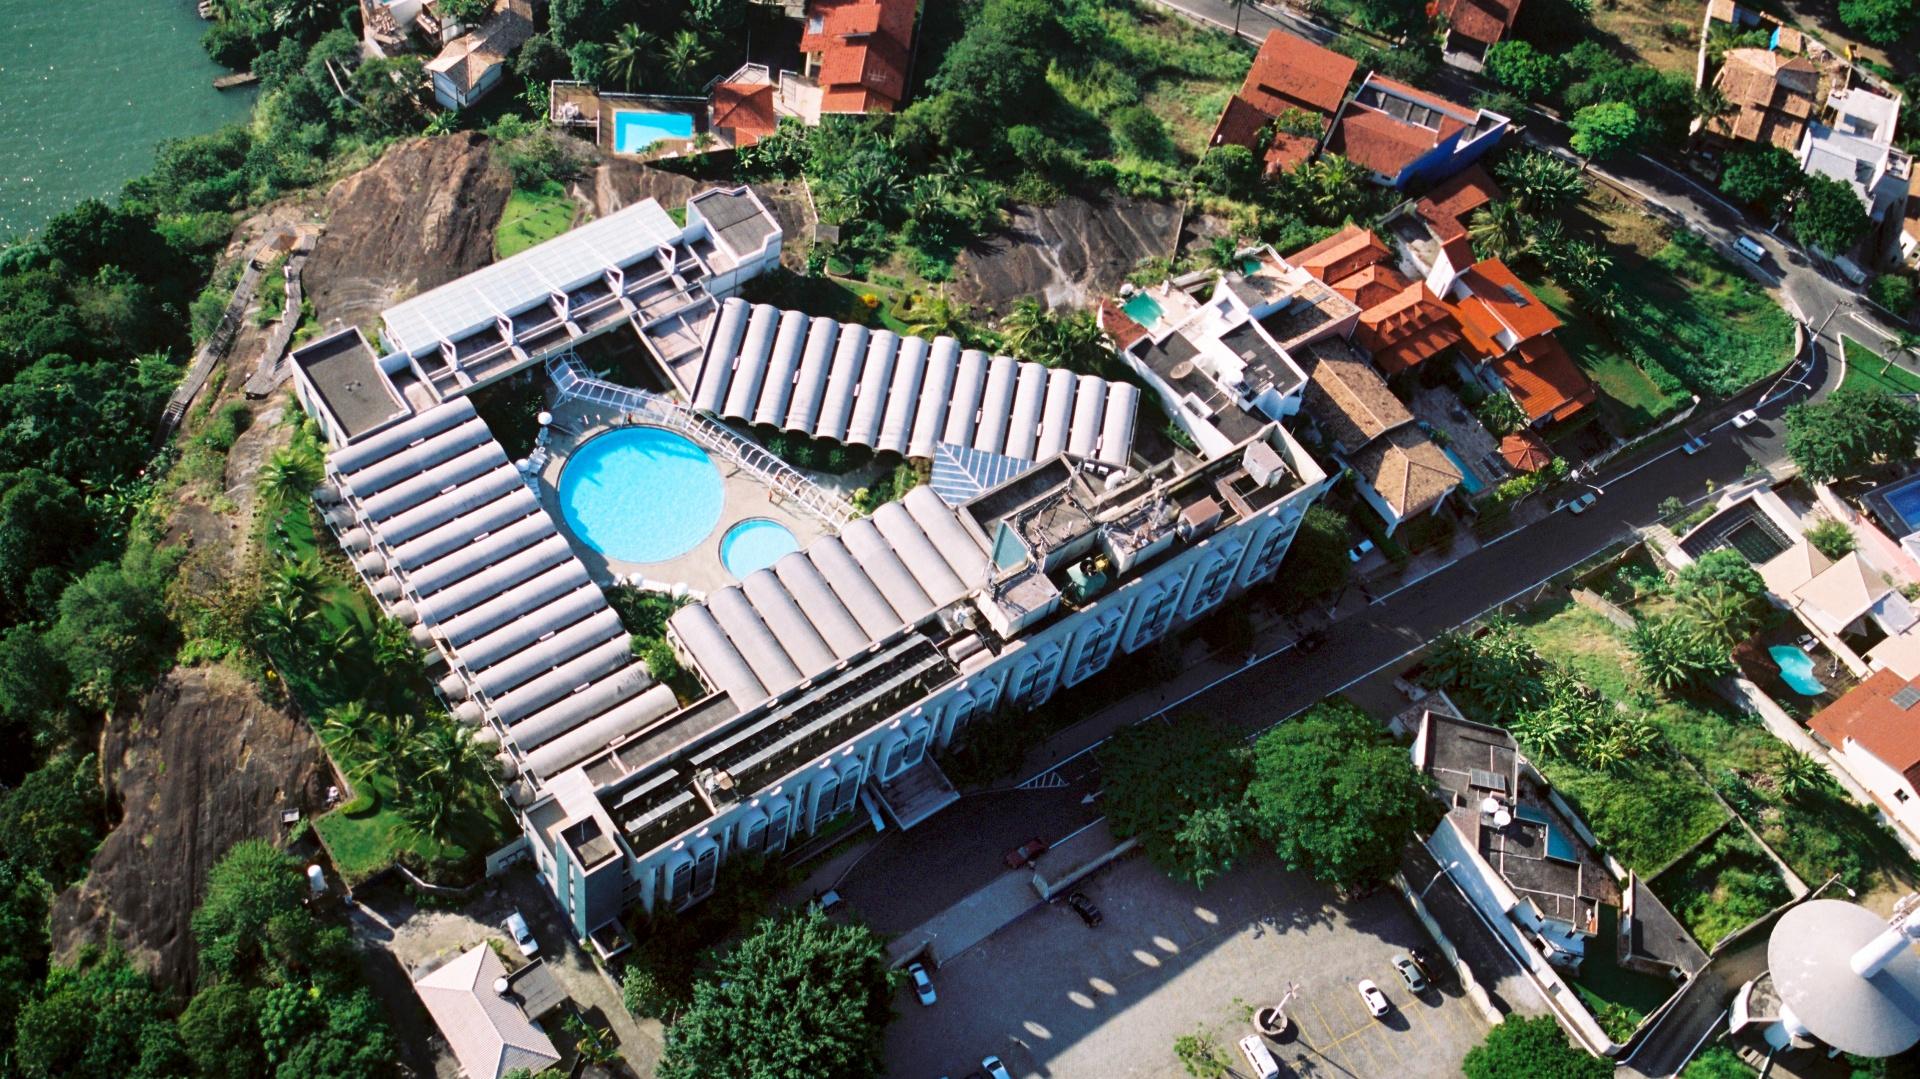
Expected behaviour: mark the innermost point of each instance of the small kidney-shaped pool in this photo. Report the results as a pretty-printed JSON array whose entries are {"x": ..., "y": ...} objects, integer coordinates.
[{"x": 641, "y": 494}]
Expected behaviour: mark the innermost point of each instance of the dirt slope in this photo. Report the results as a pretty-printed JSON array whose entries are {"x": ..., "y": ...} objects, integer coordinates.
[
  {"x": 1069, "y": 253},
  {"x": 420, "y": 216},
  {"x": 205, "y": 763}
]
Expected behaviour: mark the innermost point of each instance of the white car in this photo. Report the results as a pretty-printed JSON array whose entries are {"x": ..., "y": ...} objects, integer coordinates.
[
  {"x": 1373, "y": 998},
  {"x": 1580, "y": 504},
  {"x": 1745, "y": 418},
  {"x": 522, "y": 936},
  {"x": 922, "y": 984},
  {"x": 995, "y": 1069}
]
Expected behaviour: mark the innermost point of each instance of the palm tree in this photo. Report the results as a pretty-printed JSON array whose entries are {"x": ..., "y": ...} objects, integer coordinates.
[
  {"x": 1723, "y": 615},
  {"x": 288, "y": 476},
  {"x": 1499, "y": 230},
  {"x": 1540, "y": 183},
  {"x": 1546, "y": 732},
  {"x": 683, "y": 56},
  {"x": 936, "y": 315},
  {"x": 1798, "y": 774},
  {"x": 1027, "y": 327},
  {"x": 1710, "y": 105},
  {"x": 1903, "y": 341},
  {"x": 298, "y": 586},
  {"x": 342, "y": 646},
  {"x": 627, "y": 56},
  {"x": 393, "y": 646}
]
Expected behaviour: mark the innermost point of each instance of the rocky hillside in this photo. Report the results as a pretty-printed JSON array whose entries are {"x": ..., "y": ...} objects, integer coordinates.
[
  {"x": 1069, "y": 253},
  {"x": 204, "y": 764},
  {"x": 420, "y": 216}
]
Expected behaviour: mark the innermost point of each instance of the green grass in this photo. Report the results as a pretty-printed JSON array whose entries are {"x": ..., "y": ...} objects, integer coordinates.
[
  {"x": 1723, "y": 886},
  {"x": 1614, "y": 993},
  {"x": 532, "y": 217},
  {"x": 1582, "y": 639},
  {"x": 1864, "y": 371},
  {"x": 1633, "y": 401}
]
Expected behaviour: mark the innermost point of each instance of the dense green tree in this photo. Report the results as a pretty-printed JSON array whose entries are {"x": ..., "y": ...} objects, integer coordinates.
[
  {"x": 50, "y": 823},
  {"x": 1525, "y": 70},
  {"x": 1605, "y": 130},
  {"x": 23, "y": 925},
  {"x": 1882, "y": 22},
  {"x": 1501, "y": 230},
  {"x": 311, "y": 1033},
  {"x": 1316, "y": 564},
  {"x": 1335, "y": 796},
  {"x": 1829, "y": 216},
  {"x": 88, "y": 422},
  {"x": 1003, "y": 55},
  {"x": 800, "y": 995},
  {"x": 100, "y": 1019},
  {"x": 34, "y": 705},
  {"x": 221, "y": 1029},
  {"x": 1141, "y": 132},
  {"x": 1531, "y": 1048},
  {"x": 112, "y": 633},
  {"x": 1179, "y": 787},
  {"x": 43, "y": 522},
  {"x": 1673, "y": 654},
  {"x": 1893, "y": 291},
  {"x": 1722, "y": 567},
  {"x": 251, "y": 884},
  {"x": 1540, "y": 183},
  {"x": 1831, "y": 537},
  {"x": 1225, "y": 170},
  {"x": 629, "y": 55},
  {"x": 1663, "y": 104},
  {"x": 1850, "y": 431},
  {"x": 1762, "y": 176}
]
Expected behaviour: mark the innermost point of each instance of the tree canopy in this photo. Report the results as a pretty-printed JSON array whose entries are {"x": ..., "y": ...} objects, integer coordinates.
[
  {"x": 1525, "y": 70},
  {"x": 1850, "y": 431},
  {"x": 1762, "y": 176},
  {"x": 800, "y": 995},
  {"x": 1882, "y": 22},
  {"x": 1829, "y": 215},
  {"x": 1605, "y": 130},
  {"x": 1180, "y": 787},
  {"x": 1335, "y": 796},
  {"x": 1531, "y": 1048}
]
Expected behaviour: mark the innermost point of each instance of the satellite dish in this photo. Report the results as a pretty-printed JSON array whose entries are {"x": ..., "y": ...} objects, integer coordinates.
[
  {"x": 500, "y": 986},
  {"x": 1489, "y": 805},
  {"x": 1502, "y": 818},
  {"x": 1183, "y": 369}
]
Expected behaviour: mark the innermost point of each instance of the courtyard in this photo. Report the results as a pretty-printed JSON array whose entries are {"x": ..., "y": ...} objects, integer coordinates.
[{"x": 1054, "y": 998}]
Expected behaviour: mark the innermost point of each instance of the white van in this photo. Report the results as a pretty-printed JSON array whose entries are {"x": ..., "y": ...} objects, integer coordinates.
[
  {"x": 1259, "y": 1059},
  {"x": 1750, "y": 247}
]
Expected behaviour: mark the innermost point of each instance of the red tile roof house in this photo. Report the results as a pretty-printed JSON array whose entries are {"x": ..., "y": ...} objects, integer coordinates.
[
  {"x": 1473, "y": 27},
  {"x": 1875, "y": 734},
  {"x": 1512, "y": 333},
  {"x": 1445, "y": 212},
  {"x": 859, "y": 52},
  {"x": 1407, "y": 137},
  {"x": 742, "y": 113},
  {"x": 1289, "y": 74},
  {"x": 1401, "y": 323}
]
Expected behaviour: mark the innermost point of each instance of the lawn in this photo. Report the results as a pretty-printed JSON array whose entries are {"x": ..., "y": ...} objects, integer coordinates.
[
  {"x": 1723, "y": 886},
  {"x": 1690, "y": 312},
  {"x": 1868, "y": 369},
  {"x": 532, "y": 217},
  {"x": 1633, "y": 401}
]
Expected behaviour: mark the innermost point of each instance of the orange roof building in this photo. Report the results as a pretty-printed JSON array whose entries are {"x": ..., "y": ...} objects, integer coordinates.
[
  {"x": 1772, "y": 97},
  {"x": 1875, "y": 731},
  {"x": 742, "y": 112},
  {"x": 1473, "y": 25},
  {"x": 1407, "y": 137},
  {"x": 1290, "y": 73},
  {"x": 1342, "y": 254},
  {"x": 1524, "y": 451},
  {"x": 1544, "y": 380},
  {"x": 1445, "y": 209},
  {"x": 858, "y": 51},
  {"x": 1371, "y": 286},
  {"x": 1412, "y": 326},
  {"x": 1497, "y": 311}
]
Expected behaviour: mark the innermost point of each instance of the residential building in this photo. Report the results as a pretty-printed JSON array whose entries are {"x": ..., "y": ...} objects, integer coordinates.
[
  {"x": 1401, "y": 323},
  {"x": 742, "y": 113},
  {"x": 1854, "y": 145},
  {"x": 1847, "y": 603},
  {"x": 1286, "y": 102},
  {"x": 1772, "y": 98},
  {"x": 1397, "y": 467},
  {"x": 1473, "y": 27},
  {"x": 489, "y": 1018},
  {"x": 1511, "y": 332},
  {"x": 1407, "y": 137},
  {"x": 1445, "y": 212},
  {"x": 829, "y": 679},
  {"x": 858, "y": 52},
  {"x": 1874, "y": 731},
  {"x": 471, "y": 64}
]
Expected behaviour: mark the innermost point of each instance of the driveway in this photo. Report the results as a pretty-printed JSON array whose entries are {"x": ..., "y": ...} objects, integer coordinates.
[
  {"x": 403, "y": 937},
  {"x": 1053, "y": 998}
]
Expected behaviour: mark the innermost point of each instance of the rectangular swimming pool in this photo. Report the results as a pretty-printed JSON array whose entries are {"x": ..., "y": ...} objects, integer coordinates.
[
  {"x": 1897, "y": 504},
  {"x": 636, "y": 132},
  {"x": 1468, "y": 481},
  {"x": 1142, "y": 309}
]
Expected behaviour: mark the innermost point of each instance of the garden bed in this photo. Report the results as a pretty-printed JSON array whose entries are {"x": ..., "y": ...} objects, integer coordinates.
[{"x": 1868, "y": 369}]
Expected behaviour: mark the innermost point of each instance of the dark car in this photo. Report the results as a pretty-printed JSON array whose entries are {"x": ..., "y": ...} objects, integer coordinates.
[
  {"x": 1084, "y": 907},
  {"x": 1025, "y": 853},
  {"x": 1437, "y": 971}
]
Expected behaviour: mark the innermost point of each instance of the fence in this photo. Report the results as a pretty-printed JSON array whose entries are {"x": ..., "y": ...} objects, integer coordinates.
[{"x": 574, "y": 381}]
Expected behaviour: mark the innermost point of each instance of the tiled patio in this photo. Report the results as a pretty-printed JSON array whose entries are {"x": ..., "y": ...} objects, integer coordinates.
[{"x": 1471, "y": 442}]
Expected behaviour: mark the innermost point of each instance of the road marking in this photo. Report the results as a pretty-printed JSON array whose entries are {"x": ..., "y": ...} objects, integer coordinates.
[
  {"x": 1384, "y": 596},
  {"x": 1877, "y": 331},
  {"x": 1346, "y": 1062}
]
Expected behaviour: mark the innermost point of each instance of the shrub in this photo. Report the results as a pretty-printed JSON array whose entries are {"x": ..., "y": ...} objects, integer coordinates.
[
  {"x": 1141, "y": 132},
  {"x": 1831, "y": 538}
]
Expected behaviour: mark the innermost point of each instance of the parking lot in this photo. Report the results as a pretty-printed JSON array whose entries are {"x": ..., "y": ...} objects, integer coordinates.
[{"x": 1056, "y": 999}]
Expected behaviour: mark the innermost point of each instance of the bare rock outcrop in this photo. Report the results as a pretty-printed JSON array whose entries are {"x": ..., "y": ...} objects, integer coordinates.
[
  {"x": 420, "y": 216},
  {"x": 204, "y": 764},
  {"x": 1069, "y": 253}
]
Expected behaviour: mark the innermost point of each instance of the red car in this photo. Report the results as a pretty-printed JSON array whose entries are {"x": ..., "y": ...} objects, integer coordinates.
[{"x": 1025, "y": 853}]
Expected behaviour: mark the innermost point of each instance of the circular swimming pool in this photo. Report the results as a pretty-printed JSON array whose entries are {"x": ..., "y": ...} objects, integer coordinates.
[
  {"x": 641, "y": 494},
  {"x": 754, "y": 544}
]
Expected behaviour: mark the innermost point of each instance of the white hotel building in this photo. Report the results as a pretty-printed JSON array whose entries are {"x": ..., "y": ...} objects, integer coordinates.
[{"x": 838, "y": 670}]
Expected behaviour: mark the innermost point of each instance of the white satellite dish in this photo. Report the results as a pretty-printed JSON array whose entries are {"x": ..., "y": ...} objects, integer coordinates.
[
  {"x": 1502, "y": 818},
  {"x": 1489, "y": 805},
  {"x": 500, "y": 986}
]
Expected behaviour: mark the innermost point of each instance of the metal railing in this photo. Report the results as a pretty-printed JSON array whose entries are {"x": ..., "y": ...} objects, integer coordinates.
[{"x": 575, "y": 381}]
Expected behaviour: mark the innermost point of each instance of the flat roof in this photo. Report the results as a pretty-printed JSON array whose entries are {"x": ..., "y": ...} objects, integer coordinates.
[
  {"x": 345, "y": 372},
  {"x": 736, "y": 217},
  {"x": 507, "y": 287}
]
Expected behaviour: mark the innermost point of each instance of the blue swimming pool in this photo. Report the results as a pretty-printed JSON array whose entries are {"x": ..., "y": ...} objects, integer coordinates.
[
  {"x": 634, "y": 132},
  {"x": 754, "y": 544},
  {"x": 1903, "y": 499},
  {"x": 1796, "y": 669},
  {"x": 641, "y": 494},
  {"x": 1142, "y": 309},
  {"x": 1469, "y": 482}
]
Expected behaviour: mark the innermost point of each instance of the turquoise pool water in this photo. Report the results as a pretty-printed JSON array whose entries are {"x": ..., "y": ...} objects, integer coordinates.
[
  {"x": 754, "y": 544},
  {"x": 1905, "y": 500},
  {"x": 633, "y": 132},
  {"x": 641, "y": 494},
  {"x": 1796, "y": 669},
  {"x": 1143, "y": 309},
  {"x": 1468, "y": 481}
]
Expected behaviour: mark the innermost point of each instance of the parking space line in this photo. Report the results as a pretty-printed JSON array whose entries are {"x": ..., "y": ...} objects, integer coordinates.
[{"x": 1346, "y": 1061}]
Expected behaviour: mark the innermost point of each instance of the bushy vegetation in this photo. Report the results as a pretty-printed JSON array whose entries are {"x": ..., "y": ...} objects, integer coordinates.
[
  {"x": 1532, "y": 1048},
  {"x": 1721, "y": 887},
  {"x": 1849, "y": 432}
]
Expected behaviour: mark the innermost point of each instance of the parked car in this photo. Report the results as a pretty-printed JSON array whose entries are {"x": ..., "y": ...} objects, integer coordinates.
[
  {"x": 1084, "y": 907},
  {"x": 1437, "y": 970},
  {"x": 995, "y": 1069},
  {"x": 1581, "y": 502},
  {"x": 1360, "y": 551},
  {"x": 1751, "y": 248},
  {"x": 1746, "y": 418},
  {"x": 922, "y": 983},
  {"x": 1693, "y": 445},
  {"x": 1373, "y": 998},
  {"x": 1025, "y": 853},
  {"x": 827, "y": 900},
  {"x": 1410, "y": 972},
  {"x": 522, "y": 936}
]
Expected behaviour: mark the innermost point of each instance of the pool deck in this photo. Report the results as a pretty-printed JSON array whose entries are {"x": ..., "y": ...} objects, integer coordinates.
[{"x": 700, "y": 569}]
